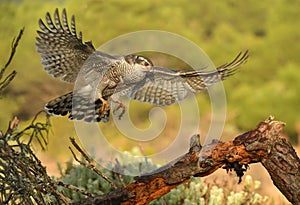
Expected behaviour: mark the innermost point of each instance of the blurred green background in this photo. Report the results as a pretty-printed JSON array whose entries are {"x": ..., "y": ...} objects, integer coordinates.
[{"x": 268, "y": 84}]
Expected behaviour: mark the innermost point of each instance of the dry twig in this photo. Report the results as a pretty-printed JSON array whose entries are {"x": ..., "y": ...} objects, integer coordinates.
[
  {"x": 21, "y": 172},
  {"x": 4, "y": 83},
  {"x": 91, "y": 164}
]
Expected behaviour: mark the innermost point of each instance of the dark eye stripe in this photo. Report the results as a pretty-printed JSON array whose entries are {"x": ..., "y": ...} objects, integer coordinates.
[{"x": 143, "y": 60}]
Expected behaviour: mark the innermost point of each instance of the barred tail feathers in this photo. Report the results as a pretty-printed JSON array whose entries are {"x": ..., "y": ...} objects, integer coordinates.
[
  {"x": 78, "y": 108},
  {"x": 61, "y": 105}
]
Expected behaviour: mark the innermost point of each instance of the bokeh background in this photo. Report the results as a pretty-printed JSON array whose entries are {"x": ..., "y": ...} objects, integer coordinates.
[{"x": 268, "y": 84}]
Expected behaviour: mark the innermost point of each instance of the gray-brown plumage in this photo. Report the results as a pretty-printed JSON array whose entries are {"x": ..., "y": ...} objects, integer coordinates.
[{"x": 107, "y": 77}]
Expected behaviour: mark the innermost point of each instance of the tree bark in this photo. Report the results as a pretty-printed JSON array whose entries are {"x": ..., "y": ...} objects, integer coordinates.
[{"x": 263, "y": 144}]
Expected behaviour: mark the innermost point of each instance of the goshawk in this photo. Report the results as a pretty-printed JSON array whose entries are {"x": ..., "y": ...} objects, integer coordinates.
[{"x": 107, "y": 77}]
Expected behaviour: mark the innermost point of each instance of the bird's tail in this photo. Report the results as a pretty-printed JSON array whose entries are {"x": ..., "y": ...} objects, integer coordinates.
[{"x": 78, "y": 108}]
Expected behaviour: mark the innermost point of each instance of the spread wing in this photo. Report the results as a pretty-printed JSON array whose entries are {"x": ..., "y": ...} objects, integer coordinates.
[
  {"x": 164, "y": 86},
  {"x": 62, "y": 51}
]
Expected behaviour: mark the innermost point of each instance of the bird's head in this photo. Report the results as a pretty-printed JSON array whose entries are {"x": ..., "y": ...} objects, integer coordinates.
[{"x": 139, "y": 62}]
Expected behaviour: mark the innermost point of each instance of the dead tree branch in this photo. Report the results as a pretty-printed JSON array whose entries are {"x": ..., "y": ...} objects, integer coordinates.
[
  {"x": 263, "y": 144},
  {"x": 91, "y": 164},
  {"x": 23, "y": 178},
  {"x": 5, "y": 82}
]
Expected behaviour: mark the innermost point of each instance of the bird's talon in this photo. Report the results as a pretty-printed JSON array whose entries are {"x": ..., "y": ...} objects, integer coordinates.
[
  {"x": 120, "y": 106},
  {"x": 116, "y": 109},
  {"x": 104, "y": 109},
  {"x": 121, "y": 115}
]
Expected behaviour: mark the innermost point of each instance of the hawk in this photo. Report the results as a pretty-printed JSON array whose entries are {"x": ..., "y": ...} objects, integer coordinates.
[{"x": 64, "y": 55}]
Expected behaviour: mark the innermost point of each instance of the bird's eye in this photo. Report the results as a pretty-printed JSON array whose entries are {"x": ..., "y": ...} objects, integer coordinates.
[{"x": 143, "y": 61}]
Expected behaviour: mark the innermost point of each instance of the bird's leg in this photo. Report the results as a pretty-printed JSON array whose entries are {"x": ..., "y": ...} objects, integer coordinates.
[
  {"x": 120, "y": 105},
  {"x": 104, "y": 107}
]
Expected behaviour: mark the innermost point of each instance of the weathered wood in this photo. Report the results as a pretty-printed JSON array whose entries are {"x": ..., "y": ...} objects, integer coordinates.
[
  {"x": 283, "y": 165},
  {"x": 263, "y": 144}
]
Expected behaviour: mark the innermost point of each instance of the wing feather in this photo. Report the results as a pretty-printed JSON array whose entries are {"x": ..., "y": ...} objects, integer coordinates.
[
  {"x": 62, "y": 52},
  {"x": 163, "y": 86},
  {"x": 200, "y": 80}
]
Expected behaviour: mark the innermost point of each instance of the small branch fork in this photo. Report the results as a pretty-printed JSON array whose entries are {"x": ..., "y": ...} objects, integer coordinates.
[
  {"x": 91, "y": 164},
  {"x": 263, "y": 144},
  {"x": 5, "y": 82},
  {"x": 23, "y": 178}
]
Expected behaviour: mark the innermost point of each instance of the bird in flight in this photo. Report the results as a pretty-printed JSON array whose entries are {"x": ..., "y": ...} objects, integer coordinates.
[{"x": 107, "y": 77}]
